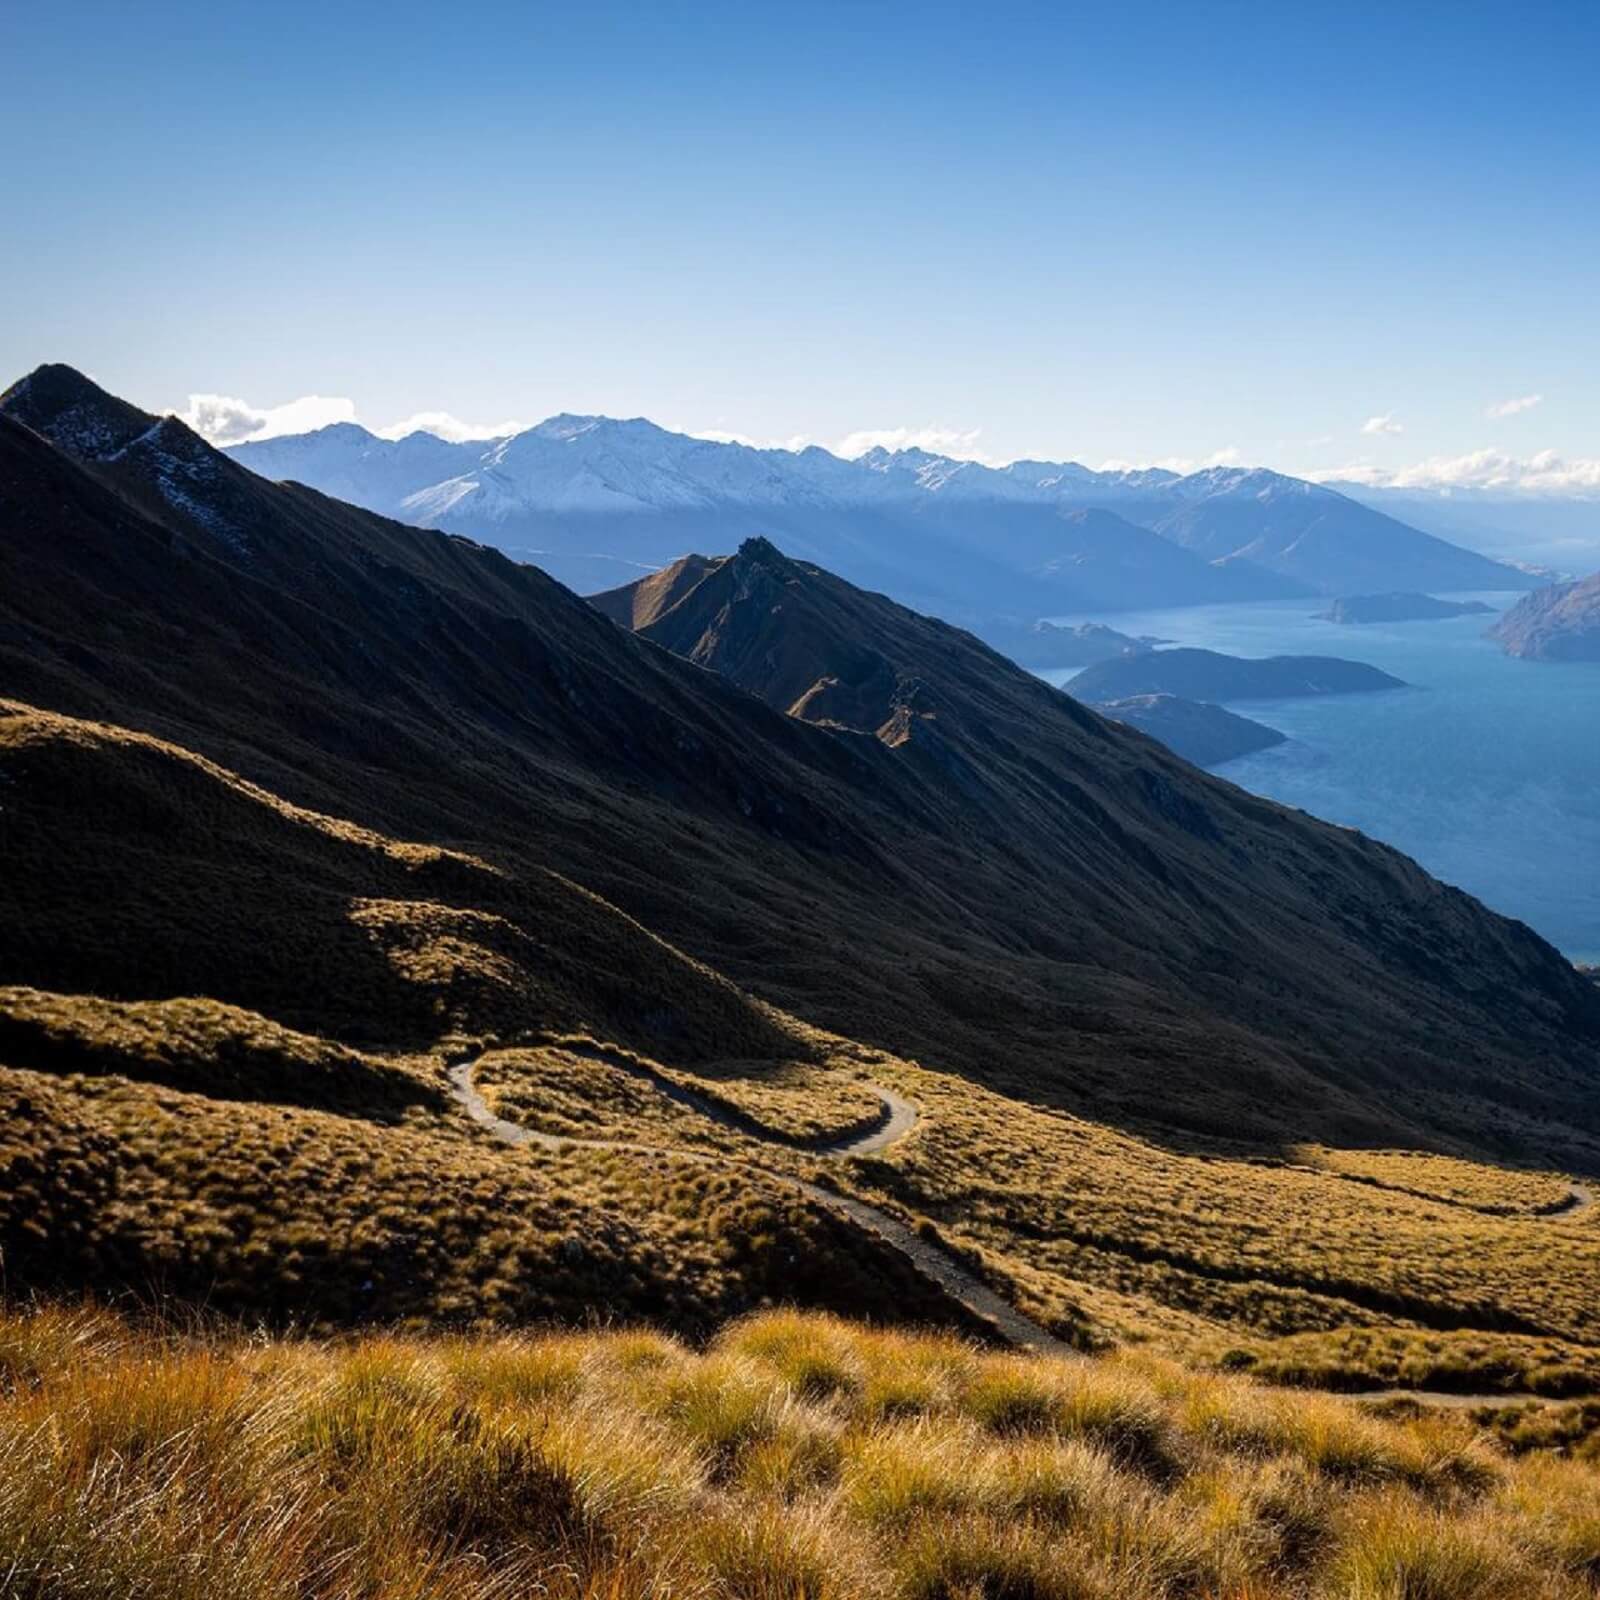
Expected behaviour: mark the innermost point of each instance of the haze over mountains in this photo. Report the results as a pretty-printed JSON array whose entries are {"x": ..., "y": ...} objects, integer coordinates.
[
  {"x": 596, "y": 500},
  {"x": 1554, "y": 531}
]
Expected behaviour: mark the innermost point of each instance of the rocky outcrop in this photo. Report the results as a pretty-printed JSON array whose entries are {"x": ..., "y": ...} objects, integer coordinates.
[{"x": 1561, "y": 623}]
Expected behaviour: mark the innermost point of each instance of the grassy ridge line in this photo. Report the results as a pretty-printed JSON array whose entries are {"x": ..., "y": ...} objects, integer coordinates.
[{"x": 794, "y": 1458}]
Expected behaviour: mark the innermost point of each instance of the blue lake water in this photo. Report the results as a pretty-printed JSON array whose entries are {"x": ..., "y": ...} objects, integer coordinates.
[{"x": 1487, "y": 770}]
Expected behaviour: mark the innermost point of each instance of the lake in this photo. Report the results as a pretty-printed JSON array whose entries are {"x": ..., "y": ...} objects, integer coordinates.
[{"x": 1486, "y": 770}]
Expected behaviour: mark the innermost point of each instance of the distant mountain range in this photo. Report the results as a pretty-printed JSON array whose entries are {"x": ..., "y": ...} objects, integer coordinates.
[{"x": 596, "y": 502}]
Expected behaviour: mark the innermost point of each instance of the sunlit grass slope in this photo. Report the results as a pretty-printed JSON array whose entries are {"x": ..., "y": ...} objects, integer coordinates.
[{"x": 795, "y": 1457}]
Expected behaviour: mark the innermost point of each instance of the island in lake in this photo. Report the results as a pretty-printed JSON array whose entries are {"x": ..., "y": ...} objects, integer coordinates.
[
  {"x": 1204, "y": 734},
  {"x": 1210, "y": 675},
  {"x": 1401, "y": 608}
]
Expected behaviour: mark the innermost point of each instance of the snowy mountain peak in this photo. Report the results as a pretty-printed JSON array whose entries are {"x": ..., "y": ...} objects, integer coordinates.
[{"x": 566, "y": 426}]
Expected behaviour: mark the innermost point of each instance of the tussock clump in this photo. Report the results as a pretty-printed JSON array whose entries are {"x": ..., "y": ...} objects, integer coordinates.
[
  {"x": 1109, "y": 1405},
  {"x": 816, "y": 1357},
  {"x": 1394, "y": 1550}
]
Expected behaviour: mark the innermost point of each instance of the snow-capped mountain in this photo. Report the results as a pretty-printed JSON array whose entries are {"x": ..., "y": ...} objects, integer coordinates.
[{"x": 595, "y": 499}]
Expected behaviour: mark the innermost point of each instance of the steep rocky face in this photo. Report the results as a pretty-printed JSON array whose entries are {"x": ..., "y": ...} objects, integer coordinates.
[
  {"x": 1561, "y": 623},
  {"x": 952, "y": 859}
]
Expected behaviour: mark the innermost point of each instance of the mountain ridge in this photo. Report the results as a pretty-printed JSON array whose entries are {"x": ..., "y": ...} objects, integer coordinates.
[
  {"x": 300, "y": 807},
  {"x": 585, "y": 493}
]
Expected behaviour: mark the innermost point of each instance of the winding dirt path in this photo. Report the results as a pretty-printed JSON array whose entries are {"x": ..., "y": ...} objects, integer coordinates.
[
  {"x": 1445, "y": 1399},
  {"x": 1579, "y": 1198},
  {"x": 899, "y": 1117}
]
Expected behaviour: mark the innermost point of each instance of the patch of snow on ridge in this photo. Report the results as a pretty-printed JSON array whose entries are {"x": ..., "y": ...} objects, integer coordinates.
[
  {"x": 183, "y": 469},
  {"x": 84, "y": 431},
  {"x": 440, "y": 498}
]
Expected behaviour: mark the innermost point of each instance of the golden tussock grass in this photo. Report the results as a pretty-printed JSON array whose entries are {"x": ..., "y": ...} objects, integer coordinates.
[
  {"x": 1500, "y": 1191},
  {"x": 147, "y": 1460},
  {"x": 297, "y": 1215},
  {"x": 1203, "y": 1253},
  {"x": 587, "y": 1089}
]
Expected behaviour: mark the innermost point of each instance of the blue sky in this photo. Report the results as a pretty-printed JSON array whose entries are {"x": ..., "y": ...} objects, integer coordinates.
[{"x": 1132, "y": 233}]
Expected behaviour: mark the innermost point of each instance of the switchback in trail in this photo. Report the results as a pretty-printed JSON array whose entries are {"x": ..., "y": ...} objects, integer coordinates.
[{"x": 899, "y": 1117}]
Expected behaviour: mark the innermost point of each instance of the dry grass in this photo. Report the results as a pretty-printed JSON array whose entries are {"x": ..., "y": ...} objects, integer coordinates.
[
  {"x": 1409, "y": 1358},
  {"x": 1500, "y": 1191},
  {"x": 585, "y": 1089},
  {"x": 1200, "y": 1254},
  {"x": 206, "y": 1048},
  {"x": 289, "y": 1214},
  {"x": 151, "y": 1461}
]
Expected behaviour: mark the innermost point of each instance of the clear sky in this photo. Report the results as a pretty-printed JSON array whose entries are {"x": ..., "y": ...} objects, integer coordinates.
[{"x": 1308, "y": 235}]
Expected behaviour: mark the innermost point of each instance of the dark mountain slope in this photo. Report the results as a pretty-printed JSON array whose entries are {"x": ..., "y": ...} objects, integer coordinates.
[{"x": 963, "y": 865}]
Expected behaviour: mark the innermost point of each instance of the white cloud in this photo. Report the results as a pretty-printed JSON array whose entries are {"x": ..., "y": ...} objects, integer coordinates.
[
  {"x": 1228, "y": 456},
  {"x": 225, "y": 420},
  {"x": 1383, "y": 424},
  {"x": 1510, "y": 408},
  {"x": 453, "y": 429},
  {"x": 795, "y": 441},
  {"x": 1543, "y": 473},
  {"x": 962, "y": 443}
]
